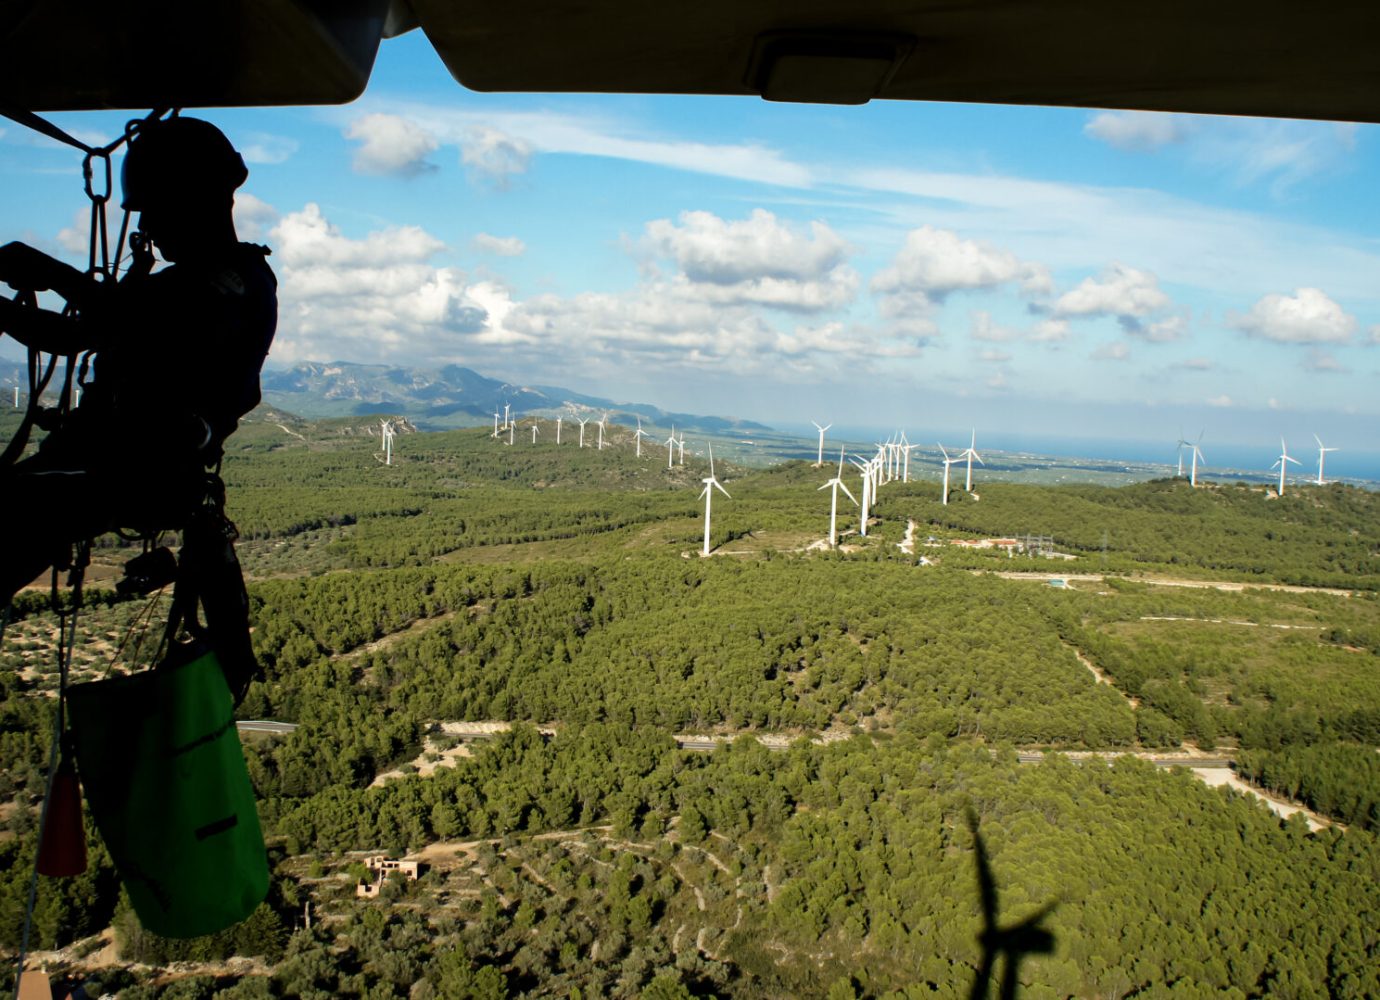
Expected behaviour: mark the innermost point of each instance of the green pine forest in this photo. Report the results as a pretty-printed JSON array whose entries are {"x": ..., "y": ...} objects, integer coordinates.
[{"x": 866, "y": 702}]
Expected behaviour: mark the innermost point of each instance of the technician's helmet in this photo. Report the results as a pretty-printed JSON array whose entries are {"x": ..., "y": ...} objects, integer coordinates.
[{"x": 179, "y": 161}]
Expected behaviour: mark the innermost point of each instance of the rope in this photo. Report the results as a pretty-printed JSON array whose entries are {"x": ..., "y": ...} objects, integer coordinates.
[{"x": 67, "y": 639}]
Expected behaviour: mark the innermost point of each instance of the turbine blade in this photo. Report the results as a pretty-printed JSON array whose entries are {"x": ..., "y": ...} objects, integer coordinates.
[
  {"x": 720, "y": 488},
  {"x": 847, "y": 494}
]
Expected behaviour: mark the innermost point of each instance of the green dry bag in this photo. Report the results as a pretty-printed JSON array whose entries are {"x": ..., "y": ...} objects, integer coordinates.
[{"x": 160, "y": 760}]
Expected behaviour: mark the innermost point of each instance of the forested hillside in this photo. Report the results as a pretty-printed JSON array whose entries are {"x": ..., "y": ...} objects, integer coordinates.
[{"x": 864, "y": 701}]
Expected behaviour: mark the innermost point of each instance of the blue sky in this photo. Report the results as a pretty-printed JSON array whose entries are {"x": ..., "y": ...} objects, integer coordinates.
[{"x": 1041, "y": 271}]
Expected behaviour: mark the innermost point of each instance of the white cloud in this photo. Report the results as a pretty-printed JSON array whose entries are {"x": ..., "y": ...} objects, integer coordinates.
[
  {"x": 982, "y": 328},
  {"x": 757, "y": 260},
  {"x": 367, "y": 299},
  {"x": 1119, "y": 291},
  {"x": 503, "y": 246},
  {"x": 1049, "y": 331},
  {"x": 1196, "y": 364},
  {"x": 76, "y": 238},
  {"x": 1117, "y": 350},
  {"x": 1160, "y": 331},
  {"x": 493, "y": 155},
  {"x": 253, "y": 217},
  {"x": 1136, "y": 131},
  {"x": 1374, "y": 335},
  {"x": 993, "y": 356},
  {"x": 391, "y": 144},
  {"x": 1306, "y": 317},
  {"x": 263, "y": 147},
  {"x": 1221, "y": 402},
  {"x": 1323, "y": 363},
  {"x": 998, "y": 382},
  {"x": 934, "y": 262},
  {"x": 1279, "y": 153}
]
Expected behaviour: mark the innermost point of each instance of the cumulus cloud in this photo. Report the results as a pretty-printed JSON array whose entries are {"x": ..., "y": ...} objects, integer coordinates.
[
  {"x": 1118, "y": 350},
  {"x": 367, "y": 299},
  {"x": 936, "y": 262},
  {"x": 1135, "y": 131},
  {"x": 1049, "y": 331},
  {"x": 254, "y": 217},
  {"x": 391, "y": 144},
  {"x": 76, "y": 238},
  {"x": 493, "y": 155},
  {"x": 1306, "y": 317},
  {"x": 1221, "y": 402},
  {"x": 263, "y": 147},
  {"x": 1119, "y": 291},
  {"x": 758, "y": 260},
  {"x": 503, "y": 246}
]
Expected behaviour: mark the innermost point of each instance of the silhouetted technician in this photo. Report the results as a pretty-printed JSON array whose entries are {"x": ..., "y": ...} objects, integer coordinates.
[{"x": 177, "y": 355}]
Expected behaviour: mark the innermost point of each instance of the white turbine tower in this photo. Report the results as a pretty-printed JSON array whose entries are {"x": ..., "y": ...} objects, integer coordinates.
[
  {"x": 386, "y": 431},
  {"x": 534, "y": 432},
  {"x": 906, "y": 449},
  {"x": 558, "y": 430},
  {"x": 639, "y": 436},
  {"x": 820, "y": 461},
  {"x": 1182, "y": 445},
  {"x": 1197, "y": 457},
  {"x": 601, "y": 429},
  {"x": 1322, "y": 453},
  {"x": 710, "y": 485},
  {"x": 971, "y": 454},
  {"x": 868, "y": 491},
  {"x": 495, "y": 433},
  {"x": 837, "y": 484},
  {"x": 1283, "y": 463},
  {"x": 947, "y": 462},
  {"x": 680, "y": 444},
  {"x": 583, "y": 421},
  {"x": 670, "y": 445},
  {"x": 512, "y": 428},
  {"x": 505, "y": 416}
]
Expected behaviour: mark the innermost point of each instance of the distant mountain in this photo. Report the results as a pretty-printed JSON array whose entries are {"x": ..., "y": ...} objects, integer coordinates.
[{"x": 452, "y": 396}]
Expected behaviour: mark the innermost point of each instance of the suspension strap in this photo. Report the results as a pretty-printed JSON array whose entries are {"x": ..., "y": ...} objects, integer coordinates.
[{"x": 67, "y": 638}]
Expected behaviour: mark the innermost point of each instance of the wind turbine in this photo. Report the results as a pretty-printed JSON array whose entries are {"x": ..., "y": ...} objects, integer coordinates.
[
  {"x": 505, "y": 416},
  {"x": 1322, "y": 453},
  {"x": 971, "y": 454},
  {"x": 386, "y": 431},
  {"x": 1182, "y": 444},
  {"x": 865, "y": 468},
  {"x": 583, "y": 421},
  {"x": 906, "y": 448},
  {"x": 1197, "y": 457},
  {"x": 512, "y": 427},
  {"x": 1283, "y": 463},
  {"x": 639, "y": 436},
  {"x": 837, "y": 484},
  {"x": 947, "y": 462},
  {"x": 601, "y": 429},
  {"x": 820, "y": 461},
  {"x": 710, "y": 484},
  {"x": 681, "y": 446},
  {"x": 558, "y": 430},
  {"x": 670, "y": 444},
  {"x": 534, "y": 432},
  {"x": 495, "y": 433}
]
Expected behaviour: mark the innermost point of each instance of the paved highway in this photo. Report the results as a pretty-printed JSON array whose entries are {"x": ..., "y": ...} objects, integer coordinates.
[{"x": 265, "y": 726}]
